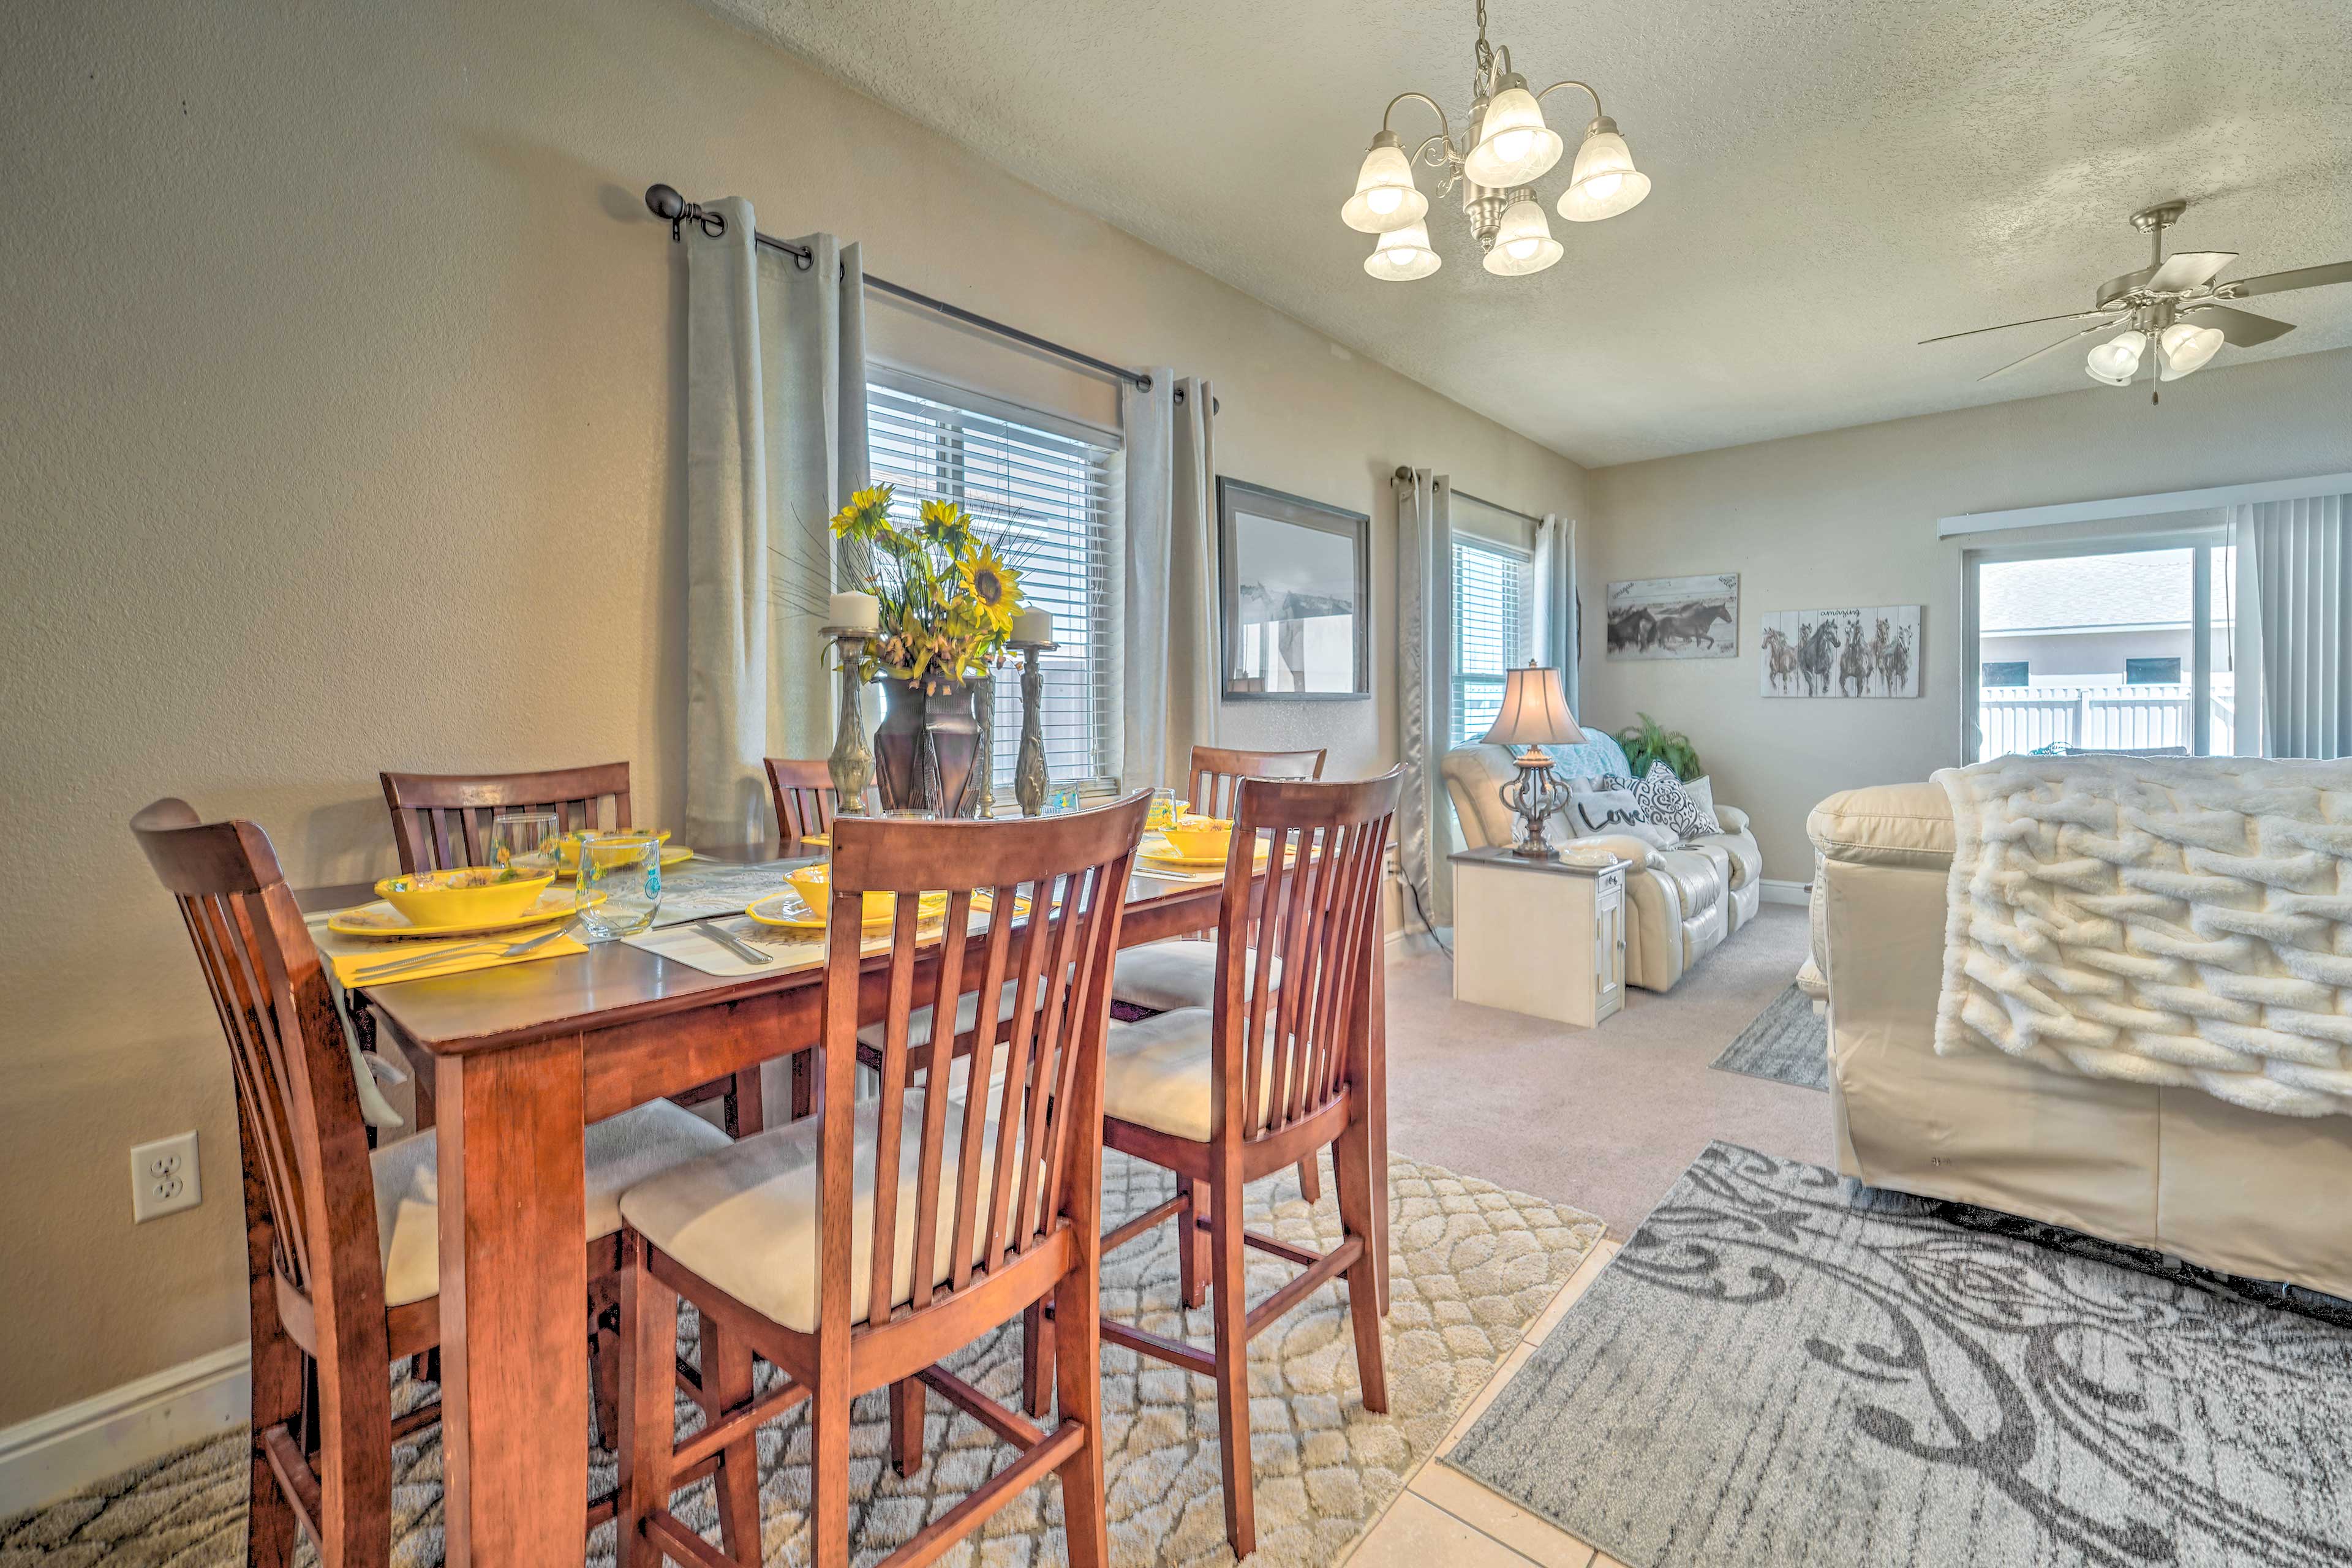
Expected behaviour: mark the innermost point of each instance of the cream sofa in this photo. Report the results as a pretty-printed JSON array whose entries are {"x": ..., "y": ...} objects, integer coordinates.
[
  {"x": 1685, "y": 900},
  {"x": 2176, "y": 1170}
]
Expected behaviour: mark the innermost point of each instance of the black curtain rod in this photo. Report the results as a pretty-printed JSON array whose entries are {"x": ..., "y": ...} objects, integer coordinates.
[{"x": 665, "y": 203}]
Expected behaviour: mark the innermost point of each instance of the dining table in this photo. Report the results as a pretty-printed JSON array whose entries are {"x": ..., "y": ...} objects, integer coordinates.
[{"x": 512, "y": 1064}]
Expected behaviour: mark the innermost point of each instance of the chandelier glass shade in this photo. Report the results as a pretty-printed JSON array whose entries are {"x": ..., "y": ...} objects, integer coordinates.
[
  {"x": 1403, "y": 255},
  {"x": 2183, "y": 347},
  {"x": 1503, "y": 148},
  {"x": 2116, "y": 361}
]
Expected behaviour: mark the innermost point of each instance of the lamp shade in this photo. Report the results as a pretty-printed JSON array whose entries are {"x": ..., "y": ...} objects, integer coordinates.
[
  {"x": 2116, "y": 361},
  {"x": 1386, "y": 197},
  {"x": 1603, "y": 182},
  {"x": 2184, "y": 348},
  {"x": 1524, "y": 242},
  {"x": 1403, "y": 255},
  {"x": 1515, "y": 145},
  {"x": 1535, "y": 710}
]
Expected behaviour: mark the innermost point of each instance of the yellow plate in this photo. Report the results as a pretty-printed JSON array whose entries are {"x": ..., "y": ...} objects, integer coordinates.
[
  {"x": 1166, "y": 856},
  {"x": 381, "y": 919},
  {"x": 786, "y": 908},
  {"x": 670, "y": 857}
]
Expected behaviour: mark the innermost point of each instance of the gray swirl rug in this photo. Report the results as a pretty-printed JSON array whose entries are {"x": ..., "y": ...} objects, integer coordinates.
[
  {"x": 1789, "y": 1043},
  {"x": 1785, "y": 1367},
  {"x": 1473, "y": 1265}
]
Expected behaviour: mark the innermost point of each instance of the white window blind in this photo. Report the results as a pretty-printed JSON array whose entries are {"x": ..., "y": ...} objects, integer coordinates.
[
  {"x": 1040, "y": 487},
  {"x": 1493, "y": 630}
]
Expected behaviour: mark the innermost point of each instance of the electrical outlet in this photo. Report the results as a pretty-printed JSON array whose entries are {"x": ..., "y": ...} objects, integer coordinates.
[{"x": 165, "y": 1178}]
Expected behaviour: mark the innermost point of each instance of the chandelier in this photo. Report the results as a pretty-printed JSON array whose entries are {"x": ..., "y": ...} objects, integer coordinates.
[{"x": 1505, "y": 147}]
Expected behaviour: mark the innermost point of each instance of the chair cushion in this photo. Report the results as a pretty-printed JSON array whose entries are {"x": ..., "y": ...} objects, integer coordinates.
[
  {"x": 918, "y": 1022},
  {"x": 1739, "y": 849},
  {"x": 1167, "y": 975},
  {"x": 745, "y": 1217},
  {"x": 1697, "y": 877},
  {"x": 621, "y": 1150},
  {"x": 1885, "y": 825},
  {"x": 1156, "y": 1073}
]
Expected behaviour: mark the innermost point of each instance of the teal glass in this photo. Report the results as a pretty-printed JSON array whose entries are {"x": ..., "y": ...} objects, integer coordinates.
[{"x": 617, "y": 890}]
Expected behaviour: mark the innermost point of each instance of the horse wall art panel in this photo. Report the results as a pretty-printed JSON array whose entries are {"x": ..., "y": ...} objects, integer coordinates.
[
  {"x": 1841, "y": 653},
  {"x": 1675, "y": 617}
]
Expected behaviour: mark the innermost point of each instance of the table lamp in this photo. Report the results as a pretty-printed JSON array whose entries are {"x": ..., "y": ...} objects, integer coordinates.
[{"x": 1535, "y": 715}]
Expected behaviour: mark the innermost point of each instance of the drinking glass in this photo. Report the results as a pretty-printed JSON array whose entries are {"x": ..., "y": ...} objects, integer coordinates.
[
  {"x": 1163, "y": 809},
  {"x": 618, "y": 888},
  {"x": 524, "y": 840}
]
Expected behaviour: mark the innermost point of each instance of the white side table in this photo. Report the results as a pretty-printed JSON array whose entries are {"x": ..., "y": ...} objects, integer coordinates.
[{"x": 1543, "y": 937}]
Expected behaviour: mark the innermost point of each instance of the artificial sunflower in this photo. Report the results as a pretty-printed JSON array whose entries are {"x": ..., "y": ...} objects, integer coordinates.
[
  {"x": 947, "y": 525},
  {"x": 866, "y": 515},
  {"x": 992, "y": 588}
]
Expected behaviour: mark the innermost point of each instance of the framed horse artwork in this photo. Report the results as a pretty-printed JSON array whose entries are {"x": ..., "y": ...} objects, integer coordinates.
[
  {"x": 1675, "y": 617},
  {"x": 1871, "y": 652}
]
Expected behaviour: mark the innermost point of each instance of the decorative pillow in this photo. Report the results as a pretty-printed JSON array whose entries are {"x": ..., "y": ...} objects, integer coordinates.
[
  {"x": 1597, "y": 811},
  {"x": 1702, "y": 790},
  {"x": 1663, "y": 800}
]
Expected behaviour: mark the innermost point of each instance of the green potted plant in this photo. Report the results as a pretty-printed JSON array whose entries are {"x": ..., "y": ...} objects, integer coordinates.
[{"x": 1648, "y": 742}]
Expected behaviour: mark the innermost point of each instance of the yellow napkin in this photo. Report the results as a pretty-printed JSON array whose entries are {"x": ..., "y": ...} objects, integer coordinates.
[{"x": 486, "y": 952}]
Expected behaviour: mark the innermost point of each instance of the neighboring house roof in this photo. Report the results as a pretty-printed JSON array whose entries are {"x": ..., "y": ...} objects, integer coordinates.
[{"x": 2146, "y": 588}]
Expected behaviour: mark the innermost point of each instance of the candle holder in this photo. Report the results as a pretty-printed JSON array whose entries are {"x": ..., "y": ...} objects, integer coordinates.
[
  {"x": 852, "y": 762},
  {"x": 1030, "y": 778},
  {"x": 983, "y": 799}
]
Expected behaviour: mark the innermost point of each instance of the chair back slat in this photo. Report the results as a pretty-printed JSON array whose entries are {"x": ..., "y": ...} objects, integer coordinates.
[
  {"x": 1022, "y": 1144},
  {"x": 1218, "y": 772},
  {"x": 1293, "y": 962},
  {"x": 441, "y": 821},
  {"x": 286, "y": 1056},
  {"x": 803, "y": 794}
]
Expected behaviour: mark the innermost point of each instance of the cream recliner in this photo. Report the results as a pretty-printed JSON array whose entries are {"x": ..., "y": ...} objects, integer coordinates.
[{"x": 1684, "y": 900}]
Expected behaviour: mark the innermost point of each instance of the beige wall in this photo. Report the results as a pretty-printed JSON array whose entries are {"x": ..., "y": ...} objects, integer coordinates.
[
  {"x": 1849, "y": 517},
  {"x": 341, "y": 431}
]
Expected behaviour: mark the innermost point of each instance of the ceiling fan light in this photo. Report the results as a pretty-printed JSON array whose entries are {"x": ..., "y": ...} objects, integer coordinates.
[
  {"x": 1523, "y": 243},
  {"x": 1403, "y": 255},
  {"x": 1603, "y": 181},
  {"x": 1515, "y": 145},
  {"x": 2116, "y": 361},
  {"x": 2183, "y": 347},
  {"x": 1386, "y": 197}
]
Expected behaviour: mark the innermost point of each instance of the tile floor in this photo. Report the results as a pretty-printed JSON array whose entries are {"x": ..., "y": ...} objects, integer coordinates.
[{"x": 1444, "y": 1517}]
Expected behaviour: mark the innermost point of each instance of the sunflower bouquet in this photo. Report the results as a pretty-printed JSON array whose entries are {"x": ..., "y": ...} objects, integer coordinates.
[{"x": 948, "y": 596}]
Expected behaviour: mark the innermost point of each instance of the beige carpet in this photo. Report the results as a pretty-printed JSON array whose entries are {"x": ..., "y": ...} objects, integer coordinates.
[
  {"x": 1473, "y": 1265},
  {"x": 1611, "y": 1117}
]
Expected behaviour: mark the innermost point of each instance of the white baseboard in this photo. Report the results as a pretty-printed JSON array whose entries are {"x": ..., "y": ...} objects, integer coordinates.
[
  {"x": 51, "y": 1456},
  {"x": 1775, "y": 893}
]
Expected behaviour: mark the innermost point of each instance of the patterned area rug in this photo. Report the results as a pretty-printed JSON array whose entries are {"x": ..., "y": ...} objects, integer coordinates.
[
  {"x": 1785, "y": 1367},
  {"x": 1789, "y": 1043},
  {"x": 1473, "y": 1264}
]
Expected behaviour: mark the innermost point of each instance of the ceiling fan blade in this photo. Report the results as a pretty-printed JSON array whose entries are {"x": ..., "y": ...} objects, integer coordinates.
[
  {"x": 2189, "y": 270},
  {"x": 2035, "y": 321},
  {"x": 2240, "y": 328},
  {"x": 2301, "y": 277},
  {"x": 2037, "y": 354}
]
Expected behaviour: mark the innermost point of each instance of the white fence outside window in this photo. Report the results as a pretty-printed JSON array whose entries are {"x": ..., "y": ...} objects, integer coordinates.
[{"x": 2018, "y": 718}]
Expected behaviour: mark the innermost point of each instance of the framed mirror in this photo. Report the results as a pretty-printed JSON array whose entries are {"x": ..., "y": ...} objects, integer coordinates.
[{"x": 1296, "y": 578}]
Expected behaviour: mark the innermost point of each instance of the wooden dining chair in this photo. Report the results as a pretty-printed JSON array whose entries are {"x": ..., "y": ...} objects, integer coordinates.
[
  {"x": 856, "y": 1249},
  {"x": 802, "y": 790},
  {"x": 443, "y": 820},
  {"x": 1278, "y": 1067},
  {"x": 1181, "y": 972},
  {"x": 341, "y": 1241}
]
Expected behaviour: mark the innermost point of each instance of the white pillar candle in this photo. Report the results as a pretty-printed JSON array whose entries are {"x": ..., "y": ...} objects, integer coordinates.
[
  {"x": 1033, "y": 625},
  {"x": 858, "y": 612}
]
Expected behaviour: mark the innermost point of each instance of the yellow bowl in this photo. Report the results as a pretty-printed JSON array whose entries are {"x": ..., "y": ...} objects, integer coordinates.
[
  {"x": 814, "y": 885},
  {"x": 468, "y": 896},
  {"x": 1200, "y": 837},
  {"x": 567, "y": 849}
]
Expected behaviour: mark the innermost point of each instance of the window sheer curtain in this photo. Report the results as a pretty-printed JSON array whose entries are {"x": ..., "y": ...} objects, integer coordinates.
[
  {"x": 1425, "y": 687},
  {"x": 1168, "y": 589},
  {"x": 2293, "y": 652},
  {"x": 776, "y": 442},
  {"x": 1555, "y": 602}
]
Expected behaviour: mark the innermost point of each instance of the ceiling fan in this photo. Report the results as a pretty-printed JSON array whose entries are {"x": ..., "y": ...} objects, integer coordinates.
[{"x": 2173, "y": 304}]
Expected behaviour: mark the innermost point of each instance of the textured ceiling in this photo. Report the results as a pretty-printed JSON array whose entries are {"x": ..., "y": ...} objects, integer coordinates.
[{"x": 1835, "y": 179}]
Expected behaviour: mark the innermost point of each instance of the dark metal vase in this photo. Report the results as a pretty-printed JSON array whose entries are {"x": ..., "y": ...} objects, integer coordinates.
[{"x": 924, "y": 749}]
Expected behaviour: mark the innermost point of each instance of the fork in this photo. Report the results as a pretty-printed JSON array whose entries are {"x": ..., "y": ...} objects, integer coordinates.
[{"x": 471, "y": 950}]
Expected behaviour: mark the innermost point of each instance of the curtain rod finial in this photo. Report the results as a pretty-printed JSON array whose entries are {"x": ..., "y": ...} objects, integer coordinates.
[{"x": 665, "y": 203}]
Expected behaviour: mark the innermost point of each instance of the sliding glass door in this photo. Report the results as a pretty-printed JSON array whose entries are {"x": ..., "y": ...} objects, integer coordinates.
[{"x": 2113, "y": 646}]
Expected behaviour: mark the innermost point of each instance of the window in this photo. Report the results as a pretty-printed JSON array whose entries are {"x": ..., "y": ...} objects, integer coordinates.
[
  {"x": 1043, "y": 484},
  {"x": 2151, "y": 672},
  {"x": 2007, "y": 672},
  {"x": 1493, "y": 630}
]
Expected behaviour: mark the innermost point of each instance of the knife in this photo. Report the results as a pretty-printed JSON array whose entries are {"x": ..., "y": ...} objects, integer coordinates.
[{"x": 740, "y": 949}]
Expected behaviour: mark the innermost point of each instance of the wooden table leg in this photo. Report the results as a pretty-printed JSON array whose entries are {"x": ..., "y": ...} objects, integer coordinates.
[{"x": 514, "y": 1281}]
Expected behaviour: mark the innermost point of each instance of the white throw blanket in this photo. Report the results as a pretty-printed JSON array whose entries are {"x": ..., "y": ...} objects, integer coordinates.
[{"x": 2176, "y": 922}]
